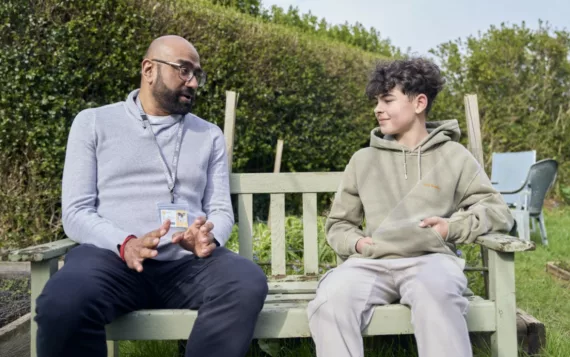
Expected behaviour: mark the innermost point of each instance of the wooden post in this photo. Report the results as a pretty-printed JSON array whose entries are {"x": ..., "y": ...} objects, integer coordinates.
[
  {"x": 474, "y": 127},
  {"x": 276, "y": 170},
  {"x": 278, "y": 154},
  {"x": 476, "y": 148},
  {"x": 229, "y": 125}
]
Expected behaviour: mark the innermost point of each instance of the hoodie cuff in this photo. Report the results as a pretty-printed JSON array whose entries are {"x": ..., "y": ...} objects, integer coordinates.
[
  {"x": 453, "y": 231},
  {"x": 350, "y": 241}
]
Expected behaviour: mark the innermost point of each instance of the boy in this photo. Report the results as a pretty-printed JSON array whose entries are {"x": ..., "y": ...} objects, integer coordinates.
[{"x": 420, "y": 192}]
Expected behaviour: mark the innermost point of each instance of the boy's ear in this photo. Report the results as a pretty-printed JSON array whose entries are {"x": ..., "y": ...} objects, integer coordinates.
[{"x": 421, "y": 103}]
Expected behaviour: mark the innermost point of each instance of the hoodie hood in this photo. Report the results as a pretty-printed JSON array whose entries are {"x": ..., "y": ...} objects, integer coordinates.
[{"x": 438, "y": 133}]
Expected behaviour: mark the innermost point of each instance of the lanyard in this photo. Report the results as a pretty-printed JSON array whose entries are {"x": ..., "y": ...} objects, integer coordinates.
[{"x": 170, "y": 176}]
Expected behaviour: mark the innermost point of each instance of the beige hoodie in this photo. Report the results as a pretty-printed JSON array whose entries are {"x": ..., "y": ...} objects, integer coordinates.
[{"x": 394, "y": 188}]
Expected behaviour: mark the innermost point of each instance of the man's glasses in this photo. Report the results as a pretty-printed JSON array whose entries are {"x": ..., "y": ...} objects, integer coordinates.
[{"x": 185, "y": 73}]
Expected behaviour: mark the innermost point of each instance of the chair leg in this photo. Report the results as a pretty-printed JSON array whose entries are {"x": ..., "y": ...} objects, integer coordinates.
[
  {"x": 112, "y": 348},
  {"x": 533, "y": 228},
  {"x": 523, "y": 222},
  {"x": 542, "y": 229}
]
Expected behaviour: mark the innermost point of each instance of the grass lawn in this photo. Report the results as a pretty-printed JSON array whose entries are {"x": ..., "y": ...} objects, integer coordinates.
[{"x": 538, "y": 293}]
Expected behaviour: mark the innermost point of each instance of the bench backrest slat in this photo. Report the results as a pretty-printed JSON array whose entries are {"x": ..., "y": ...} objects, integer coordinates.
[
  {"x": 310, "y": 244},
  {"x": 277, "y": 223},
  {"x": 299, "y": 182},
  {"x": 245, "y": 224}
]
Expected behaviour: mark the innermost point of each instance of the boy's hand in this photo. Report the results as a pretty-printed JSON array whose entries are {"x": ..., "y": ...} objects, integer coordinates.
[
  {"x": 361, "y": 243},
  {"x": 437, "y": 223}
]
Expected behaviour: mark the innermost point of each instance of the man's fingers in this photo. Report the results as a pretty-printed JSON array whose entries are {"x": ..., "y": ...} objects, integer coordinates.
[
  {"x": 177, "y": 237},
  {"x": 161, "y": 231},
  {"x": 198, "y": 222},
  {"x": 148, "y": 253},
  {"x": 206, "y": 238},
  {"x": 207, "y": 227},
  {"x": 137, "y": 266},
  {"x": 166, "y": 226},
  {"x": 206, "y": 250},
  {"x": 150, "y": 242}
]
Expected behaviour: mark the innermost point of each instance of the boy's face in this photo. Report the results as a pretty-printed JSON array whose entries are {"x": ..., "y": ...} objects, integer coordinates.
[{"x": 396, "y": 112}]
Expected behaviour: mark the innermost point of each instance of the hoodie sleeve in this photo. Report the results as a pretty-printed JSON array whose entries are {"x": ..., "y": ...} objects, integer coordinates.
[
  {"x": 343, "y": 223},
  {"x": 481, "y": 208}
]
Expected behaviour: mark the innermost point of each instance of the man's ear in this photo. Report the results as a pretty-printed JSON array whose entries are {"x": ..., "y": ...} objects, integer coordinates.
[
  {"x": 421, "y": 103},
  {"x": 147, "y": 71}
]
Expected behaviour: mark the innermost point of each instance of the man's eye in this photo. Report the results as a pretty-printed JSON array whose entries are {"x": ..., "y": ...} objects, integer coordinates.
[{"x": 184, "y": 71}]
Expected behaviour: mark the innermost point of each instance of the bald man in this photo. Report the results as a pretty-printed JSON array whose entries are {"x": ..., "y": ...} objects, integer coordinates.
[{"x": 146, "y": 196}]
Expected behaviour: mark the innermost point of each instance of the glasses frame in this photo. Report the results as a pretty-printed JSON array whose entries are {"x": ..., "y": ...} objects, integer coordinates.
[{"x": 199, "y": 74}]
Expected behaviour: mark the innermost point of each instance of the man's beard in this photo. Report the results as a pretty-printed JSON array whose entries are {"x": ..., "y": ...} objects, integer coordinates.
[{"x": 169, "y": 100}]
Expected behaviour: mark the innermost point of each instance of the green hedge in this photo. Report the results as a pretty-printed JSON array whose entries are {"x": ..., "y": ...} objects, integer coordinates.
[{"x": 59, "y": 57}]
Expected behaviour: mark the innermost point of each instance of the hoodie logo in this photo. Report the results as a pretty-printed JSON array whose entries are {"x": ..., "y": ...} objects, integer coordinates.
[{"x": 431, "y": 185}]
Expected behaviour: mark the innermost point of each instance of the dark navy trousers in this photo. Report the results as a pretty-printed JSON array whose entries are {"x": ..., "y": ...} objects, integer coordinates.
[{"x": 95, "y": 286}]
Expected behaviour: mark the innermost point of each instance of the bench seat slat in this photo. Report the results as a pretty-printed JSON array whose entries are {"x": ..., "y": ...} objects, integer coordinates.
[{"x": 284, "y": 320}]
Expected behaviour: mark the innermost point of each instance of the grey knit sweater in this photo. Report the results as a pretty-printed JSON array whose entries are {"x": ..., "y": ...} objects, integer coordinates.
[{"x": 113, "y": 176}]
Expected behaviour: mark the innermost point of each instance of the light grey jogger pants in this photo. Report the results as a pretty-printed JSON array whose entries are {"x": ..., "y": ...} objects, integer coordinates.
[{"x": 432, "y": 285}]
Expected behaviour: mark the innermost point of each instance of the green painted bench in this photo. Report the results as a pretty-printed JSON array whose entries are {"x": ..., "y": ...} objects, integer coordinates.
[{"x": 283, "y": 315}]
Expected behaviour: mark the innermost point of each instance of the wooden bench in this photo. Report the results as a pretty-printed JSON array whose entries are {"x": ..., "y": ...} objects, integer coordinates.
[{"x": 284, "y": 315}]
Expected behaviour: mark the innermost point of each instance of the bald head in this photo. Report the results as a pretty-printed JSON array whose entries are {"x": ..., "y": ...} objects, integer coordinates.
[{"x": 171, "y": 45}]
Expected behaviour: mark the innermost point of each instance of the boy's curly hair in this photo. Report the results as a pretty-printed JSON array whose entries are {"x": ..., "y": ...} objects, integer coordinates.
[{"x": 412, "y": 76}]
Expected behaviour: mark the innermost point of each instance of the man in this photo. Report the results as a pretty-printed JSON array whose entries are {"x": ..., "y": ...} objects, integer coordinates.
[{"x": 132, "y": 169}]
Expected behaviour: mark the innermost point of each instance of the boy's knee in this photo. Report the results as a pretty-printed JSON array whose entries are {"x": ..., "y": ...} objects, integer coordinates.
[
  {"x": 337, "y": 293},
  {"x": 430, "y": 290}
]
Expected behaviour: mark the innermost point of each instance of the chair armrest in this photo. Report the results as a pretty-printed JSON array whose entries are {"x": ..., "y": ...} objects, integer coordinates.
[
  {"x": 42, "y": 252},
  {"x": 504, "y": 243},
  {"x": 522, "y": 187}
]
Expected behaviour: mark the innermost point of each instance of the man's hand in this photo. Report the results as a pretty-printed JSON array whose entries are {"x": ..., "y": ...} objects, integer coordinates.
[
  {"x": 437, "y": 223},
  {"x": 198, "y": 238},
  {"x": 137, "y": 250},
  {"x": 362, "y": 242}
]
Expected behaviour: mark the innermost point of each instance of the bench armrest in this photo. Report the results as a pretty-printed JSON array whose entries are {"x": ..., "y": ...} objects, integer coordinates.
[
  {"x": 504, "y": 243},
  {"x": 42, "y": 252}
]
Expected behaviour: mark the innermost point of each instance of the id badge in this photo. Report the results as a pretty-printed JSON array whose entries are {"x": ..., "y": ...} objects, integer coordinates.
[{"x": 177, "y": 213}]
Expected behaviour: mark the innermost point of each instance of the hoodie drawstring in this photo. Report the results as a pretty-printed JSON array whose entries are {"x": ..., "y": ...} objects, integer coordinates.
[
  {"x": 419, "y": 163},
  {"x": 405, "y": 165}
]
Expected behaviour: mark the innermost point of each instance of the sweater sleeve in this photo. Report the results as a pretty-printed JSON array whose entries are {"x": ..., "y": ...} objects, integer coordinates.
[
  {"x": 81, "y": 222},
  {"x": 216, "y": 201}
]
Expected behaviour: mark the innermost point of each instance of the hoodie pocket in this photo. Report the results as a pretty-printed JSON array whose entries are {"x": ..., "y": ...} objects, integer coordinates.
[
  {"x": 405, "y": 240},
  {"x": 436, "y": 233}
]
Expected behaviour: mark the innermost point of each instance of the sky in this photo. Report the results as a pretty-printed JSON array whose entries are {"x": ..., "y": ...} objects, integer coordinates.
[{"x": 422, "y": 25}]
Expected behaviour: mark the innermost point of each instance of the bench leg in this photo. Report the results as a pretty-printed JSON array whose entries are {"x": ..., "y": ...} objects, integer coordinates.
[
  {"x": 502, "y": 291},
  {"x": 40, "y": 274},
  {"x": 112, "y": 348}
]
